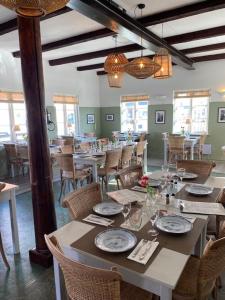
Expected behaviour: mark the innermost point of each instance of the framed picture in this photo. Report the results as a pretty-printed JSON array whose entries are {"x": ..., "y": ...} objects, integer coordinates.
[
  {"x": 160, "y": 116},
  {"x": 90, "y": 118},
  {"x": 221, "y": 115},
  {"x": 109, "y": 117}
]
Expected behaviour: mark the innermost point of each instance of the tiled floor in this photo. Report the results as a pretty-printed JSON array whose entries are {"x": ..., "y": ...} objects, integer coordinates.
[{"x": 27, "y": 281}]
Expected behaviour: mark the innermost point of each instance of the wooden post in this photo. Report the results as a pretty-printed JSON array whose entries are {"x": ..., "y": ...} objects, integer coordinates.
[{"x": 40, "y": 170}]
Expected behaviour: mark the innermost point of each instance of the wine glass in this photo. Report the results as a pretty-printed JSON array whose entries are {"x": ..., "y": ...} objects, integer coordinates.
[
  {"x": 165, "y": 169},
  {"x": 181, "y": 173},
  {"x": 135, "y": 218},
  {"x": 126, "y": 211},
  {"x": 154, "y": 213}
]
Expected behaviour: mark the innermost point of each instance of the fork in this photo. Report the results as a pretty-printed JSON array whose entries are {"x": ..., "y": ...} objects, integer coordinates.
[
  {"x": 139, "y": 247},
  {"x": 142, "y": 256}
]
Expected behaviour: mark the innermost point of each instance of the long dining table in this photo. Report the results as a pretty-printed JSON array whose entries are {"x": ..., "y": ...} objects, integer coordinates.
[{"x": 162, "y": 272}]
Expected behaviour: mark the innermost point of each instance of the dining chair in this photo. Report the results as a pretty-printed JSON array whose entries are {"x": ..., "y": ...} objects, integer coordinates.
[
  {"x": 12, "y": 158},
  {"x": 81, "y": 202},
  {"x": 200, "y": 167},
  {"x": 198, "y": 149},
  {"x": 67, "y": 149},
  {"x": 103, "y": 141},
  {"x": 86, "y": 282},
  {"x": 176, "y": 148},
  {"x": 58, "y": 142},
  {"x": 68, "y": 140},
  {"x": 69, "y": 173},
  {"x": 126, "y": 157},
  {"x": 23, "y": 156},
  {"x": 142, "y": 137},
  {"x": 198, "y": 279},
  {"x": 110, "y": 167},
  {"x": 139, "y": 153},
  {"x": 85, "y": 146},
  {"x": 129, "y": 177},
  {"x": 3, "y": 253}
]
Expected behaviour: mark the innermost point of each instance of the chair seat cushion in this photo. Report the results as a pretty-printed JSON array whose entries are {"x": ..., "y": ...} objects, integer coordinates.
[
  {"x": 131, "y": 292},
  {"x": 102, "y": 172},
  {"x": 186, "y": 288}
]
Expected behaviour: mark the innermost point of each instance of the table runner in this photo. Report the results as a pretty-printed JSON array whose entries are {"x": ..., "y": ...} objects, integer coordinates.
[{"x": 183, "y": 244}]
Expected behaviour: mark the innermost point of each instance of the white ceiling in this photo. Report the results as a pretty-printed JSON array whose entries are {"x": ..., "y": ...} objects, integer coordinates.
[{"x": 73, "y": 23}]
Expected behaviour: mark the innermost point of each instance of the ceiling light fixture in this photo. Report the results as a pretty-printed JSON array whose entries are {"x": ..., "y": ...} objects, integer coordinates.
[
  {"x": 33, "y": 8},
  {"x": 163, "y": 58},
  {"x": 114, "y": 66},
  {"x": 142, "y": 67}
]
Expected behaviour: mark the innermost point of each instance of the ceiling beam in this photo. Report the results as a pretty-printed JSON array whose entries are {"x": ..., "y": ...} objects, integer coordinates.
[
  {"x": 11, "y": 25},
  {"x": 100, "y": 73},
  {"x": 169, "y": 15},
  {"x": 116, "y": 20},
  {"x": 212, "y": 47}
]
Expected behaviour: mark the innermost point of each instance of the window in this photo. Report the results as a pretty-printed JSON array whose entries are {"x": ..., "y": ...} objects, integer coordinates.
[
  {"x": 134, "y": 113},
  {"x": 67, "y": 115},
  {"x": 190, "y": 111},
  {"x": 12, "y": 117}
]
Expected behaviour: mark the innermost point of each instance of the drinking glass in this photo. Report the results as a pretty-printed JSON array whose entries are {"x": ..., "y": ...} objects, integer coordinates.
[
  {"x": 135, "y": 218},
  {"x": 181, "y": 173},
  {"x": 165, "y": 170},
  {"x": 154, "y": 213},
  {"x": 126, "y": 211}
]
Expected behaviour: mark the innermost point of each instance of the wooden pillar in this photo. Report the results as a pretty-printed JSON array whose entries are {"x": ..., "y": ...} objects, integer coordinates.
[{"x": 40, "y": 170}]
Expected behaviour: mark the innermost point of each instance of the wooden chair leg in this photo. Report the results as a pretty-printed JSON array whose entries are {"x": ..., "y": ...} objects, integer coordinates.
[{"x": 3, "y": 253}]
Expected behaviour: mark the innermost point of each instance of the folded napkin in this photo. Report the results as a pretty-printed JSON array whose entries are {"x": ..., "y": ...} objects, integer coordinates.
[
  {"x": 139, "y": 189},
  {"x": 98, "y": 220},
  {"x": 143, "y": 251}
]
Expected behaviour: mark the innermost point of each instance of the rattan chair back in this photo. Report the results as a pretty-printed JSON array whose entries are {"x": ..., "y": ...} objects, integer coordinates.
[
  {"x": 84, "y": 282},
  {"x": 129, "y": 177},
  {"x": 81, "y": 202},
  {"x": 212, "y": 264},
  {"x": 113, "y": 158},
  {"x": 67, "y": 149},
  {"x": 126, "y": 156},
  {"x": 65, "y": 162},
  {"x": 22, "y": 152},
  {"x": 140, "y": 148},
  {"x": 85, "y": 146},
  {"x": 103, "y": 141},
  {"x": 142, "y": 137},
  {"x": 176, "y": 142},
  {"x": 58, "y": 142},
  {"x": 202, "y": 139},
  {"x": 10, "y": 150},
  {"x": 200, "y": 167}
]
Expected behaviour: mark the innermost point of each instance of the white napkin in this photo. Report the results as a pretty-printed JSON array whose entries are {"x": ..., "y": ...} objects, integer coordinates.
[
  {"x": 98, "y": 220},
  {"x": 143, "y": 249},
  {"x": 139, "y": 189}
]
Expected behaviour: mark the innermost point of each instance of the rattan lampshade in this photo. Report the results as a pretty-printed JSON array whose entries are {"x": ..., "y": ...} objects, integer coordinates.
[
  {"x": 34, "y": 8},
  {"x": 163, "y": 58},
  {"x": 142, "y": 67},
  {"x": 115, "y": 62},
  {"x": 115, "y": 79}
]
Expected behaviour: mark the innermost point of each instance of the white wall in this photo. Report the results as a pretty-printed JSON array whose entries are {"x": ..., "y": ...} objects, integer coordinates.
[
  {"x": 58, "y": 80},
  {"x": 206, "y": 75}
]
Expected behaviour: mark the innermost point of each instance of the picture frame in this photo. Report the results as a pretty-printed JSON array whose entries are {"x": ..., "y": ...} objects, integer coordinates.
[
  {"x": 90, "y": 119},
  {"x": 109, "y": 117},
  {"x": 160, "y": 117},
  {"x": 221, "y": 115}
]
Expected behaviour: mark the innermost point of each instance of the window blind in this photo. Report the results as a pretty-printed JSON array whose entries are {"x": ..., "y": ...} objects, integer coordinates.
[
  {"x": 134, "y": 98},
  {"x": 11, "y": 97},
  {"x": 65, "y": 99},
  {"x": 192, "y": 94}
]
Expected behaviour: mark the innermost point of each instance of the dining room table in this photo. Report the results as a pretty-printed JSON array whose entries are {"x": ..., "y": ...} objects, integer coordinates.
[{"x": 162, "y": 271}]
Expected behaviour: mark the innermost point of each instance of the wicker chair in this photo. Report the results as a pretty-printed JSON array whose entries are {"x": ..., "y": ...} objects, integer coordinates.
[
  {"x": 127, "y": 178},
  {"x": 126, "y": 157},
  {"x": 200, "y": 167},
  {"x": 58, "y": 142},
  {"x": 23, "y": 156},
  {"x": 103, "y": 141},
  {"x": 111, "y": 166},
  {"x": 12, "y": 158},
  {"x": 199, "y": 147},
  {"x": 176, "y": 148},
  {"x": 198, "y": 279},
  {"x": 139, "y": 153},
  {"x": 85, "y": 282},
  {"x": 85, "y": 146},
  {"x": 142, "y": 137},
  {"x": 69, "y": 173},
  {"x": 3, "y": 253},
  {"x": 67, "y": 149},
  {"x": 81, "y": 202}
]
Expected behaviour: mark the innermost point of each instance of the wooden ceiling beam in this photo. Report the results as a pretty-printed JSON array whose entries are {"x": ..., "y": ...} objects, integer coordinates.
[
  {"x": 170, "y": 15},
  {"x": 11, "y": 25},
  {"x": 212, "y": 47},
  {"x": 107, "y": 14}
]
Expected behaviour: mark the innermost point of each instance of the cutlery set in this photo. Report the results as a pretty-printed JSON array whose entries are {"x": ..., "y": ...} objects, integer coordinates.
[{"x": 142, "y": 249}]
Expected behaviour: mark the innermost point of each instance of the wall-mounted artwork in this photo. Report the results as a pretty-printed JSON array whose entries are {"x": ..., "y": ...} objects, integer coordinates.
[
  {"x": 221, "y": 115},
  {"x": 160, "y": 116},
  {"x": 90, "y": 118},
  {"x": 109, "y": 117}
]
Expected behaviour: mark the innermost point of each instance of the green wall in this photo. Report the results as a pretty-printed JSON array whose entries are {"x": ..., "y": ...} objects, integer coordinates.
[
  {"x": 52, "y": 111},
  {"x": 84, "y": 127},
  {"x": 108, "y": 126}
]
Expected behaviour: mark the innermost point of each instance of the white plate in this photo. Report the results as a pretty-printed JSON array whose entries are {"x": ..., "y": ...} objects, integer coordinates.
[
  {"x": 115, "y": 240},
  {"x": 108, "y": 208},
  {"x": 98, "y": 154},
  {"x": 173, "y": 224},
  {"x": 198, "y": 190},
  {"x": 154, "y": 183}
]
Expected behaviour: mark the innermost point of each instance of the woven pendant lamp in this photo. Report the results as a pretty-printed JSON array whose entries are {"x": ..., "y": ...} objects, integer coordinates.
[
  {"x": 163, "y": 58},
  {"x": 115, "y": 79},
  {"x": 33, "y": 8},
  {"x": 142, "y": 67}
]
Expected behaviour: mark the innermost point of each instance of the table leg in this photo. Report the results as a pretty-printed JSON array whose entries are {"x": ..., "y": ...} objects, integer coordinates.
[
  {"x": 58, "y": 291},
  {"x": 146, "y": 159},
  {"x": 14, "y": 226},
  {"x": 192, "y": 151},
  {"x": 165, "y": 293}
]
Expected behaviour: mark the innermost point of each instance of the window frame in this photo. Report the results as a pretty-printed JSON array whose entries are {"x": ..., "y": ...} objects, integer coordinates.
[{"x": 77, "y": 118}]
